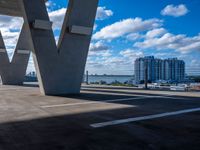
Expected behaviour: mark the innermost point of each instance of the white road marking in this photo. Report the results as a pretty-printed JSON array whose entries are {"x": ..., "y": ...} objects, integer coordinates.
[
  {"x": 113, "y": 100},
  {"x": 149, "y": 117}
]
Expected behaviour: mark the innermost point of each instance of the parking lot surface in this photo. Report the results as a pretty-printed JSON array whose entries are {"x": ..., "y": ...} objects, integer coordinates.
[{"x": 100, "y": 118}]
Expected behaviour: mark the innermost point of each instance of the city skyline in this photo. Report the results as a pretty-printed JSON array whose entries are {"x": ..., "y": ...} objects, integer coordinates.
[{"x": 124, "y": 32}]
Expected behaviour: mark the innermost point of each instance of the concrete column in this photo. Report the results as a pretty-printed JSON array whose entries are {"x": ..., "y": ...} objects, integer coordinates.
[
  {"x": 60, "y": 68},
  {"x": 13, "y": 73}
]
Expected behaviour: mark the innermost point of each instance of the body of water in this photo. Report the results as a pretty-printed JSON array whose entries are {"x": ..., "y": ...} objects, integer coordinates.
[
  {"x": 109, "y": 79},
  {"x": 97, "y": 78}
]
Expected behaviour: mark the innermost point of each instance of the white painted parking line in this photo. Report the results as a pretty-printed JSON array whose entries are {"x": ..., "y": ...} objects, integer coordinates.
[
  {"x": 113, "y": 100},
  {"x": 161, "y": 96},
  {"x": 143, "y": 118}
]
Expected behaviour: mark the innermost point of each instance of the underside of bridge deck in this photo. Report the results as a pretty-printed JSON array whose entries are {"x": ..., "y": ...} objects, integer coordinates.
[{"x": 11, "y": 7}]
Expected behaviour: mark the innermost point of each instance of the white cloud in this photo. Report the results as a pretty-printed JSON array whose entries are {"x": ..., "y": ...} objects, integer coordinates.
[
  {"x": 126, "y": 26},
  {"x": 31, "y": 66},
  {"x": 57, "y": 17},
  {"x": 175, "y": 11},
  {"x": 95, "y": 26},
  {"x": 134, "y": 36},
  {"x": 147, "y": 34},
  {"x": 8, "y": 23},
  {"x": 131, "y": 54},
  {"x": 99, "y": 46},
  {"x": 103, "y": 54},
  {"x": 121, "y": 63},
  {"x": 180, "y": 43},
  {"x": 10, "y": 28},
  {"x": 155, "y": 33},
  {"x": 195, "y": 63},
  {"x": 193, "y": 66},
  {"x": 99, "y": 49},
  {"x": 50, "y": 4},
  {"x": 103, "y": 13}
]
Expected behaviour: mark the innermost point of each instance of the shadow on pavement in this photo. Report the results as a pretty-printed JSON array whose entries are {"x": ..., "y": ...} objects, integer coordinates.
[{"x": 72, "y": 132}]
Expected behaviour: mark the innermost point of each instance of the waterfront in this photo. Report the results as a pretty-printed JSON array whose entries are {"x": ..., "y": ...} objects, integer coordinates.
[{"x": 109, "y": 78}]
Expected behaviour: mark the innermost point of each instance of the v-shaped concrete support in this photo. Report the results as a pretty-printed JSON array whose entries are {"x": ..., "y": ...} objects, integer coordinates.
[
  {"x": 60, "y": 68},
  {"x": 13, "y": 73}
]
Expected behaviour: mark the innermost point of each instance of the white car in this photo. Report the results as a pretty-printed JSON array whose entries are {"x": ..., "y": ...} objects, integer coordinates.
[{"x": 177, "y": 88}]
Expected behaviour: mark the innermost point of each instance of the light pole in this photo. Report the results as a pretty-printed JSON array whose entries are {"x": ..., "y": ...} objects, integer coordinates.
[
  {"x": 146, "y": 75},
  {"x": 87, "y": 78}
]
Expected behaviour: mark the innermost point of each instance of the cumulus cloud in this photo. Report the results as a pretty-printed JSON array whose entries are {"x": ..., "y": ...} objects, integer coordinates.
[
  {"x": 146, "y": 34},
  {"x": 179, "y": 42},
  {"x": 134, "y": 36},
  {"x": 50, "y": 4},
  {"x": 95, "y": 26},
  {"x": 195, "y": 63},
  {"x": 125, "y": 27},
  {"x": 121, "y": 63},
  {"x": 57, "y": 16},
  {"x": 10, "y": 23},
  {"x": 131, "y": 54},
  {"x": 149, "y": 34},
  {"x": 92, "y": 65},
  {"x": 99, "y": 49},
  {"x": 155, "y": 33},
  {"x": 110, "y": 65},
  {"x": 99, "y": 46},
  {"x": 103, "y": 13},
  {"x": 175, "y": 11},
  {"x": 103, "y": 54},
  {"x": 10, "y": 28}
]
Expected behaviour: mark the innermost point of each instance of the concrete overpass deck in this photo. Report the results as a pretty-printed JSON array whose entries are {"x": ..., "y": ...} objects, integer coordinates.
[
  {"x": 30, "y": 121},
  {"x": 10, "y": 7}
]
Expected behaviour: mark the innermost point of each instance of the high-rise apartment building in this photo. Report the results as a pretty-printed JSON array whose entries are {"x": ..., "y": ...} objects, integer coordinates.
[{"x": 170, "y": 69}]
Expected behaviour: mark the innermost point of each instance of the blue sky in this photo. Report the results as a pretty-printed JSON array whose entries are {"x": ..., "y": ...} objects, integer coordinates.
[{"x": 125, "y": 30}]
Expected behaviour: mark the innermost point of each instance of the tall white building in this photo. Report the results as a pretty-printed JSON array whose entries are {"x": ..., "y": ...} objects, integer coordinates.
[{"x": 171, "y": 69}]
